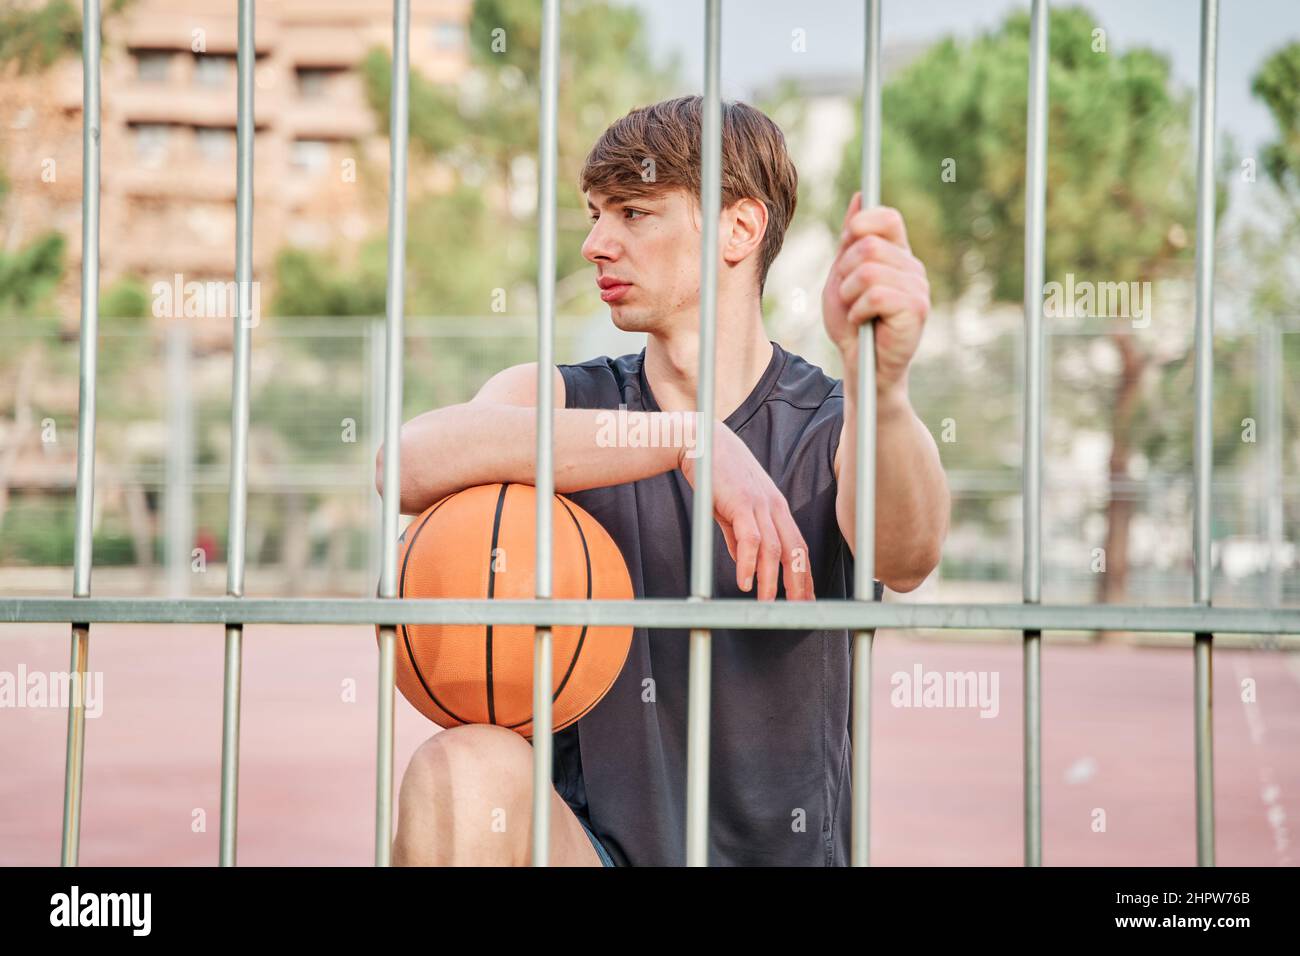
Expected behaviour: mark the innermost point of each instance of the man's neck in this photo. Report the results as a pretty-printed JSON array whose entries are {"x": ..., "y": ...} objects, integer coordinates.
[{"x": 743, "y": 353}]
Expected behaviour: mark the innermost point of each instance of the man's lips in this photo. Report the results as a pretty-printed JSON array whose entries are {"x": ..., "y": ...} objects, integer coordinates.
[{"x": 611, "y": 289}]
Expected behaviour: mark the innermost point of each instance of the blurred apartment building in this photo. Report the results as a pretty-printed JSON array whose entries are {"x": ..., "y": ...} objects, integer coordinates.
[{"x": 169, "y": 134}]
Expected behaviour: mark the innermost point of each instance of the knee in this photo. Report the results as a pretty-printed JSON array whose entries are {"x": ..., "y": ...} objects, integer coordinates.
[
  {"x": 462, "y": 792},
  {"x": 470, "y": 755}
]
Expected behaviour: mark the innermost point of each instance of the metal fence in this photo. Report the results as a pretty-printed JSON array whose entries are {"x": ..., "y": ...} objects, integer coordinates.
[{"x": 699, "y": 612}]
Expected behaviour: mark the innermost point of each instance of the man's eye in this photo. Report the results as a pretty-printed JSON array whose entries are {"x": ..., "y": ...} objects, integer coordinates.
[{"x": 627, "y": 211}]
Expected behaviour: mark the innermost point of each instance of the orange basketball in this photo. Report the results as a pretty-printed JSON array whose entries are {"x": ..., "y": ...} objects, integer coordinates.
[{"x": 481, "y": 543}]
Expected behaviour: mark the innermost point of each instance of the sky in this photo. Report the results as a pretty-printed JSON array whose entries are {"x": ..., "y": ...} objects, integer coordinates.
[{"x": 756, "y": 40}]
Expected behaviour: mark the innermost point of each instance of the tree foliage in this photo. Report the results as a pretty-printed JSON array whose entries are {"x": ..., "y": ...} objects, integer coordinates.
[
  {"x": 34, "y": 37},
  {"x": 1119, "y": 182},
  {"x": 30, "y": 275},
  {"x": 1277, "y": 84}
]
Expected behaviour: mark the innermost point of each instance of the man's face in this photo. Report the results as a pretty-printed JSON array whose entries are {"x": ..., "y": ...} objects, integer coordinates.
[{"x": 651, "y": 249}]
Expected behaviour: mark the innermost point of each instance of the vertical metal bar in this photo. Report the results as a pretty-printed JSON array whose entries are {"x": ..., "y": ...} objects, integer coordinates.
[
  {"x": 1203, "y": 719},
  {"x": 864, "y": 524},
  {"x": 1203, "y": 447},
  {"x": 699, "y": 692},
  {"x": 1031, "y": 479},
  {"x": 545, "y": 481},
  {"x": 234, "y": 652},
  {"x": 178, "y": 505},
  {"x": 82, "y": 554},
  {"x": 399, "y": 124},
  {"x": 238, "y": 513}
]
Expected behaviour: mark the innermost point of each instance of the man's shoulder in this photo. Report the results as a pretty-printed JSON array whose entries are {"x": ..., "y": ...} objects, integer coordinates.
[
  {"x": 805, "y": 409},
  {"x": 600, "y": 381},
  {"x": 609, "y": 365},
  {"x": 804, "y": 384}
]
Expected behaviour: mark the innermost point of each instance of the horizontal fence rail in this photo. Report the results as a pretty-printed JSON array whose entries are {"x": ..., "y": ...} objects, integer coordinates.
[{"x": 654, "y": 613}]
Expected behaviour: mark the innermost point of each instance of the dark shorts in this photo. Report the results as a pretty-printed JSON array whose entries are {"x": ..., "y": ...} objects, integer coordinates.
[{"x": 605, "y": 858}]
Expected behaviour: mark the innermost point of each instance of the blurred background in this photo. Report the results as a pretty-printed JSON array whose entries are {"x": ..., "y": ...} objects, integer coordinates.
[{"x": 1118, "y": 426}]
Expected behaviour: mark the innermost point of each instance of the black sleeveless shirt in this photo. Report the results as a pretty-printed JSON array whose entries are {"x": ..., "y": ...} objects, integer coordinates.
[{"x": 779, "y": 722}]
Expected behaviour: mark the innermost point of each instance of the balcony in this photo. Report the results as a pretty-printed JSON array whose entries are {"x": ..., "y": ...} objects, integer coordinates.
[{"x": 139, "y": 102}]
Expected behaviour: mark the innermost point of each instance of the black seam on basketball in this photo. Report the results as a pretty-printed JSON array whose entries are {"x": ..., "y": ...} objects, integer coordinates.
[
  {"x": 492, "y": 575},
  {"x": 406, "y": 638},
  {"x": 582, "y": 635},
  {"x": 608, "y": 687},
  {"x": 586, "y": 710},
  {"x": 599, "y": 697}
]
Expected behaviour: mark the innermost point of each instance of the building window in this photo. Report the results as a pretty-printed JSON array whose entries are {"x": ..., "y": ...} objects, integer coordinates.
[
  {"x": 314, "y": 82},
  {"x": 310, "y": 155},
  {"x": 151, "y": 66},
  {"x": 212, "y": 70},
  {"x": 216, "y": 144},
  {"x": 151, "y": 142},
  {"x": 448, "y": 35}
]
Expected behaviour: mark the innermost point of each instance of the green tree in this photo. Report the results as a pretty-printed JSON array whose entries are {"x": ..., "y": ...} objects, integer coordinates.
[
  {"x": 312, "y": 284},
  {"x": 30, "y": 275},
  {"x": 126, "y": 298},
  {"x": 1278, "y": 84},
  {"x": 1266, "y": 262},
  {"x": 35, "y": 37}
]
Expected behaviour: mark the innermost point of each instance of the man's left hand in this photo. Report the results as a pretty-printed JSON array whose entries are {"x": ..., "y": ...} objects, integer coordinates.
[{"x": 875, "y": 276}]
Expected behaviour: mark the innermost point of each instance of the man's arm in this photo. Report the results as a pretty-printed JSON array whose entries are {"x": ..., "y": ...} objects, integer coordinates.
[
  {"x": 493, "y": 438},
  {"x": 912, "y": 498},
  {"x": 876, "y": 278}
]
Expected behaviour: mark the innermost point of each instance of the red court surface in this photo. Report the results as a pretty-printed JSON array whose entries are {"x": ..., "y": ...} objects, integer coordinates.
[{"x": 1117, "y": 727}]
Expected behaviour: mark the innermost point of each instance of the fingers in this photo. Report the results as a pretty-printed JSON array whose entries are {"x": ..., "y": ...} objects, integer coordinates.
[
  {"x": 780, "y": 546},
  {"x": 770, "y": 554},
  {"x": 876, "y": 249},
  {"x": 882, "y": 302},
  {"x": 747, "y": 538},
  {"x": 879, "y": 221},
  {"x": 763, "y": 541},
  {"x": 756, "y": 522},
  {"x": 873, "y": 276},
  {"x": 794, "y": 556},
  {"x": 730, "y": 539}
]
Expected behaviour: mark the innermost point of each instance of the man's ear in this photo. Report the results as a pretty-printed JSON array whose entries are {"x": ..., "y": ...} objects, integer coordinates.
[{"x": 748, "y": 219}]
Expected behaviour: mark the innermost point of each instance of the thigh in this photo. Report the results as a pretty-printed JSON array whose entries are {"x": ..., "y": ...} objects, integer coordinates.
[{"x": 570, "y": 845}]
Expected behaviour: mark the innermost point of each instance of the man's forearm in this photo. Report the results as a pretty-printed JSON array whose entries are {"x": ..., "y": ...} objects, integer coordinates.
[
  {"x": 477, "y": 443},
  {"x": 912, "y": 498}
]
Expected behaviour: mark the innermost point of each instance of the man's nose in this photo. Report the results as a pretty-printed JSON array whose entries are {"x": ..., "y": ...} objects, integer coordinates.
[{"x": 599, "y": 244}]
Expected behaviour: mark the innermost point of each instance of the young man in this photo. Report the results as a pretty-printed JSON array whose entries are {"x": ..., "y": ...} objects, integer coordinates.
[{"x": 783, "y": 479}]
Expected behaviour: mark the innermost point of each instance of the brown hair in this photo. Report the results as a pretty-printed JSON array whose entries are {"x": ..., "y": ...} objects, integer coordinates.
[{"x": 655, "y": 149}]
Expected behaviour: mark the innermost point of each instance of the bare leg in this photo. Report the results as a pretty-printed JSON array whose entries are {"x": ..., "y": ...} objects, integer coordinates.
[{"x": 466, "y": 800}]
